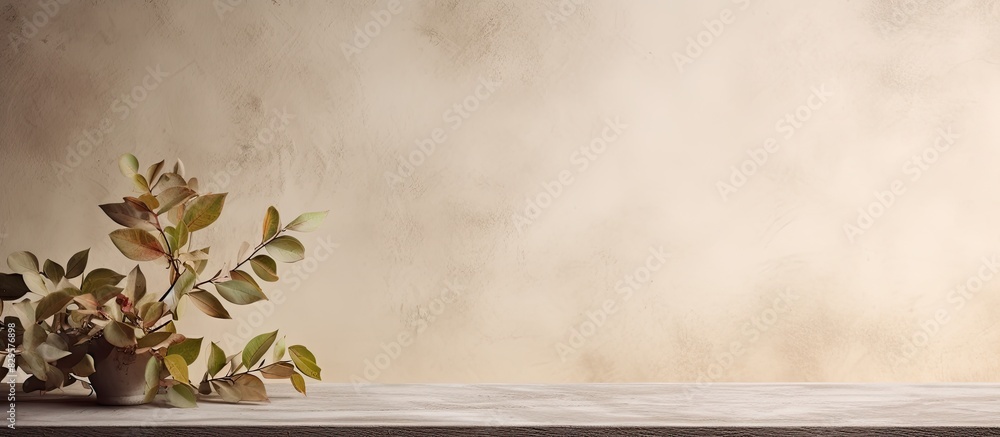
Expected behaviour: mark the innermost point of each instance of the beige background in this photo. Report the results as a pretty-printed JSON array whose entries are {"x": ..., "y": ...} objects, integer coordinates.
[{"x": 898, "y": 71}]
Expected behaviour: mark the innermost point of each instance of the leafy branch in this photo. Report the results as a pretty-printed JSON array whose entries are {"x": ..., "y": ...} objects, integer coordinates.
[{"x": 96, "y": 308}]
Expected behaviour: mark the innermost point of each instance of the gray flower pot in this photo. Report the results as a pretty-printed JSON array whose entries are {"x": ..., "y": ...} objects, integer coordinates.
[{"x": 120, "y": 375}]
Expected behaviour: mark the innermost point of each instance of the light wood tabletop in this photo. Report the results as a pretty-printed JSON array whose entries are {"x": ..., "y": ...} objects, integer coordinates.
[{"x": 597, "y": 406}]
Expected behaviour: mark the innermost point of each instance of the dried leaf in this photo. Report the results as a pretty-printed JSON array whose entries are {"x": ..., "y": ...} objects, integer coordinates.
[
  {"x": 137, "y": 245},
  {"x": 286, "y": 249},
  {"x": 257, "y": 347},
  {"x": 307, "y": 222}
]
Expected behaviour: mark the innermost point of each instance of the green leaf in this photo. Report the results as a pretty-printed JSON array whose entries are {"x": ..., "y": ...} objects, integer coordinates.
[
  {"x": 251, "y": 388},
  {"x": 257, "y": 347},
  {"x": 170, "y": 180},
  {"x": 286, "y": 249},
  {"x": 227, "y": 390},
  {"x": 52, "y": 303},
  {"x": 69, "y": 287},
  {"x": 181, "y": 396},
  {"x": 272, "y": 222},
  {"x": 25, "y": 310},
  {"x": 305, "y": 361},
  {"x": 187, "y": 349},
  {"x": 140, "y": 183},
  {"x": 85, "y": 367},
  {"x": 152, "y": 378},
  {"x": 177, "y": 367},
  {"x": 150, "y": 201},
  {"x": 50, "y": 353},
  {"x": 184, "y": 284},
  {"x": 139, "y": 205},
  {"x": 172, "y": 197},
  {"x": 135, "y": 285},
  {"x": 203, "y": 211},
  {"x": 33, "y": 363},
  {"x": 153, "y": 339},
  {"x": 128, "y": 165},
  {"x": 151, "y": 313},
  {"x": 53, "y": 271},
  {"x": 176, "y": 237},
  {"x": 209, "y": 304},
  {"x": 265, "y": 268},
  {"x": 170, "y": 234},
  {"x": 77, "y": 264},
  {"x": 54, "y": 378},
  {"x": 278, "y": 371},
  {"x": 106, "y": 293},
  {"x": 137, "y": 245},
  {"x": 153, "y": 171},
  {"x": 279, "y": 350},
  {"x": 169, "y": 327},
  {"x": 99, "y": 278},
  {"x": 12, "y": 286},
  {"x": 22, "y": 262},
  {"x": 299, "y": 383},
  {"x": 216, "y": 360},
  {"x": 181, "y": 233},
  {"x": 179, "y": 167},
  {"x": 307, "y": 222},
  {"x": 240, "y": 292},
  {"x": 35, "y": 283},
  {"x": 239, "y": 275},
  {"x": 119, "y": 334}
]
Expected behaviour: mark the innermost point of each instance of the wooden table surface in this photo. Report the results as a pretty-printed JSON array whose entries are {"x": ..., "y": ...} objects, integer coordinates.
[{"x": 492, "y": 408}]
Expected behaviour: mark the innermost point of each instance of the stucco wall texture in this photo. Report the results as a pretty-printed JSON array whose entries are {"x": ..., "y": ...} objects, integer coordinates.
[{"x": 546, "y": 191}]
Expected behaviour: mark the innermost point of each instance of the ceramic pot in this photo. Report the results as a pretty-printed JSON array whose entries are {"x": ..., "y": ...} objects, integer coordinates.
[{"x": 120, "y": 375}]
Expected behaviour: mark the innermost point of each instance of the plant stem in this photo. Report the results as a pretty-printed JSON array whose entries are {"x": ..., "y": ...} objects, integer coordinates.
[
  {"x": 174, "y": 269},
  {"x": 247, "y": 372},
  {"x": 258, "y": 249},
  {"x": 159, "y": 327},
  {"x": 170, "y": 289}
]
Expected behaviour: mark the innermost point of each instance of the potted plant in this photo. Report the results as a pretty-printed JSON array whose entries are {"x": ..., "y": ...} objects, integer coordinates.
[{"x": 119, "y": 333}]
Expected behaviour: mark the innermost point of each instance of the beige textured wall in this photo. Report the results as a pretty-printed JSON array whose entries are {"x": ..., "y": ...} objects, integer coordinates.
[{"x": 595, "y": 103}]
